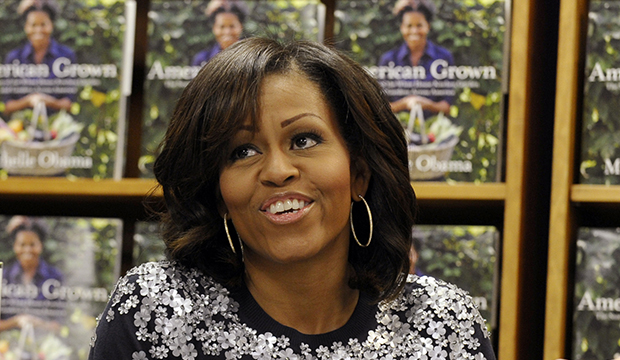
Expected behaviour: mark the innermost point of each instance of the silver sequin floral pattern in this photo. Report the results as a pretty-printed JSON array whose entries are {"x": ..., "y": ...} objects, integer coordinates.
[{"x": 180, "y": 313}]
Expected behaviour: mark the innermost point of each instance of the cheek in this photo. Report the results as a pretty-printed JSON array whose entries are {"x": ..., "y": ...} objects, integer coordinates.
[{"x": 235, "y": 190}]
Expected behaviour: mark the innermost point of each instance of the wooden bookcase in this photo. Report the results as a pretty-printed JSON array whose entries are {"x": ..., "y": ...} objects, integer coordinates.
[
  {"x": 572, "y": 205},
  {"x": 518, "y": 206}
]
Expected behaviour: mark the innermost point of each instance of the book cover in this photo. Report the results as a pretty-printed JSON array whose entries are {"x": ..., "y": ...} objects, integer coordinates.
[
  {"x": 600, "y": 154},
  {"x": 466, "y": 256},
  {"x": 58, "y": 275},
  {"x": 184, "y": 35},
  {"x": 147, "y": 243},
  {"x": 596, "y": 312},
  {"x": 60, "y": 87},
  {"x": 442, "y": 66}
]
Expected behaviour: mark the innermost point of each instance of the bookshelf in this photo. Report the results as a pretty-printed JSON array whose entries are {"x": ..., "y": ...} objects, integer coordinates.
[
  {"x": 518, "y": 206},
  {"x": 572, "y": 205}
]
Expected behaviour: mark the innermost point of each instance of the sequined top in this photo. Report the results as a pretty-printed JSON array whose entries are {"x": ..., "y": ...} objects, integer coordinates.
[{"x": 163, "y": 310}]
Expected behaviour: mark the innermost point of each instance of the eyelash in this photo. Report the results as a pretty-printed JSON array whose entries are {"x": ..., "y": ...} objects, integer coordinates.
[{"x": 312, "y": 134}]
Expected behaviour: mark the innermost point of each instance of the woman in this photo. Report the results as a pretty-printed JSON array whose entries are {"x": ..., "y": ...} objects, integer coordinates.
[
  {"x": 288, "y": 223},
  {"x": 40, "y": 49},
  {"x": 227, "y": 17},
  {"x": 417, "y": 51},
  {"x": 29, "y": 272}
]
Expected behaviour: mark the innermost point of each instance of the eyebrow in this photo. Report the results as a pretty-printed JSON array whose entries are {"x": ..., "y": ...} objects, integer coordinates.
[
  {"x": 289, "y": 121},
  {"x": 284, "y": 123}
]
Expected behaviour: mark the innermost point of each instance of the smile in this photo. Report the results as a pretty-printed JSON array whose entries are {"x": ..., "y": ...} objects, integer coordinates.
[{"x": 288, "y": 205}]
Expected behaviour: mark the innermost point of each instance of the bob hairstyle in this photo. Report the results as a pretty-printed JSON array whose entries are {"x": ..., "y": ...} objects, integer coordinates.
[
  {"x": 215, "y": 105},
  {"x": 424, "y": 7}
]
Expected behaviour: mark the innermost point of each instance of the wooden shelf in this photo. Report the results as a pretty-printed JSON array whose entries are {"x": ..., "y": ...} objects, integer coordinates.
[
  {"x": 83, "y": 188},
  {"x": 460, "y": 191},
  {"x": 581, "y": 193}
]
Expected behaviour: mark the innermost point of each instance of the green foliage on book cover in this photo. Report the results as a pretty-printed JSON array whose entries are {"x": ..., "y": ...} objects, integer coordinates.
[
  {"x": 94, "y": 30},
  {"x": 474, "y": 31},
  {"x": 600, "y": 138},
  {"x": 596, "y": 316},
  {"x": 86, "y": 251},
  {"x": 461, "y": 255},
  {"x": 178, "y": 30}
]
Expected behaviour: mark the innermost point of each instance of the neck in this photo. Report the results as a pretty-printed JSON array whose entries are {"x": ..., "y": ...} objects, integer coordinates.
[
  {"x": 417, "y": 51},
  {"x": 311, "y": 298},
  {"x": 29, "y": 270},
  {"x": 40, "y": 49}
]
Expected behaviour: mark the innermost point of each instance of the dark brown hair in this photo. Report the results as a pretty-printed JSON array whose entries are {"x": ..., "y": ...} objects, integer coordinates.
[
  {"x": 424, "y": 7},
  {"x": 47, "y": 6},
  {"x": 215, "y": 105}
]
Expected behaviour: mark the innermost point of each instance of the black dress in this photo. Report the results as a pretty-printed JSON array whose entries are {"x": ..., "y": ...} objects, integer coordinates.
[{"x": 167, "y": 311}]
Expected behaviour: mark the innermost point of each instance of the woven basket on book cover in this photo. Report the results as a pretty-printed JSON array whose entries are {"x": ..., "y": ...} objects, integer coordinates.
[
  {"x": 33, "y": 149},
  {"x": 441, "y": 152}
]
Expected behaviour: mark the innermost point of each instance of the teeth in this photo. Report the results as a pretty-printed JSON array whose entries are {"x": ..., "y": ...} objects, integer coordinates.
[{"x": 286, "y": 205}]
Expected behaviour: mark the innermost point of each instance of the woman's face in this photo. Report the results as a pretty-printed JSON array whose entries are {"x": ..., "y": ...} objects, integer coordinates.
[
  {"x": 414, "y": 29},
  {"x": 38, "y": 28},
  {"x": 27, "y": 248},
  {"x": 288, "y": 184},
  {"x": 227, "y": 29}
]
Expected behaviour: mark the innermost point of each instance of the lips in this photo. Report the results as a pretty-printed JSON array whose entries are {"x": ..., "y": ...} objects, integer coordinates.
[{"x": 285, "y": 204}]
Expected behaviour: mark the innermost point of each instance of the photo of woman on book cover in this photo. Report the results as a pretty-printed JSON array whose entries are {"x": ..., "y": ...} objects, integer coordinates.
[
  {"x": 40, "y": 48},
  {"x": 227, "y": 17},
  {"x": 441, "y": 64},
  {"x": 60, "y": 87},
  {"x": 415, "y": 17},
  {"x": 185, "y": 35},
  {"x": 30, "y": 272},
  {"x": 58, "y": 274}
]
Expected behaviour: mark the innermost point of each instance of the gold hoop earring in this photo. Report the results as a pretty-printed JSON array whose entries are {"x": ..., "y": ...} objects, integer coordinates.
[
  {"x": 230, "y": 242},
  {"x": 369, "y": 219}
]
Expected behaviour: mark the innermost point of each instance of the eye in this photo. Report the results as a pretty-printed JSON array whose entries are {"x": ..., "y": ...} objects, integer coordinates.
[
  {"x": 243, "y": 152},
  {"x": 306, "y": 141}
]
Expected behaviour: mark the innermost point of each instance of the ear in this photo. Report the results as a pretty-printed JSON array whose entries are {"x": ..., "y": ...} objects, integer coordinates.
[{"x": 360, "y": 177}]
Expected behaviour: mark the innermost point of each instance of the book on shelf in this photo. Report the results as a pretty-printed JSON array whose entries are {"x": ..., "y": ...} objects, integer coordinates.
[
  {"x": 596, "y": 312},
  {"x": 466, "y": 256},
  {"x": 183, "y": 36},
  {"x": 600, "y": 133},
  {"x": 62, "y": 110},
  {"x": 58, "y": 275},
  {"x": 147, "y": 243},
  {"x": 442, "y": 65}
]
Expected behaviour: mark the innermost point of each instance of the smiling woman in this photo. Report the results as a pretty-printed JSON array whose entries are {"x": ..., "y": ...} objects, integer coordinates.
[{"x": 274, "y": 155}]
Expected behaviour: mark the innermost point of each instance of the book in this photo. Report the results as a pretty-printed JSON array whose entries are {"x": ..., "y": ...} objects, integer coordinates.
[
  {"x": 600, "y": 155},
  {"x": 450, "y": 94},
  {"x": 58, "y": 275},
  {"x": 60, "y": 79},
  {"x": 183, "y": 36},
  {"x": 147, "y": 243},
  {"x": 466, "y": 256},
  {"x": 596, "y": 301}
]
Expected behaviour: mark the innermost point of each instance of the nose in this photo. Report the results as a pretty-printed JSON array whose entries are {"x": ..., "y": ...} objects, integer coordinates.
[{"x": 279, "y": 169}]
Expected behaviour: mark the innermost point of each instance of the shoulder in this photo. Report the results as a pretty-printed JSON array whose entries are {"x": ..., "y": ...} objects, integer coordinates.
[
  {"x": 393, "y": 55},
  {"x": 437, "y": 51},
  {"x": 15, "y": 54},
  {"x": 49, "y": 272},
  {"x": 60, "y": 50},
  {"x": 443, "y": 317},
  {"x": 167, "y": 285},
  {"x": 205, "y": 55},
  {"x": 164, "y": 309}
]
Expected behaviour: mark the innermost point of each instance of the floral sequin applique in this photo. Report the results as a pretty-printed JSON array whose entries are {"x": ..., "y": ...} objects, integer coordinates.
[{"x": 180, "y": 313}]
